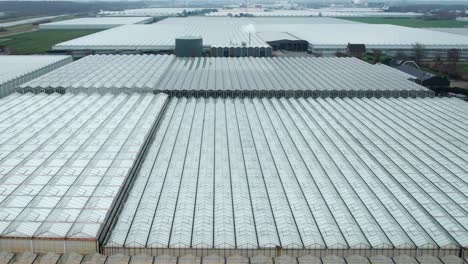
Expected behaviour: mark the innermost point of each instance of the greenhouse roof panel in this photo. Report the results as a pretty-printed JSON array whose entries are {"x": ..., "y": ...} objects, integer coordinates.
[
  {"x": 95, "y": 22},
  {"x": 242, "y": 32},
  {"x": 52, "y": 258},
  {"x": 18, "y": 69},
  {"x": 257, "y": 173},
  {"x": 373, "y": 36},
  {"x": 65, "y": 159},
  {"x": 160, "y": 36},
  {"x": 294, "y": 76},
  {"x": 149, "y": 12}
]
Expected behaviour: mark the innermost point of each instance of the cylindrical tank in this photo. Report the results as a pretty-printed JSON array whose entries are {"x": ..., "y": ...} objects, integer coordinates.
[{"x": 189, "y": 47}]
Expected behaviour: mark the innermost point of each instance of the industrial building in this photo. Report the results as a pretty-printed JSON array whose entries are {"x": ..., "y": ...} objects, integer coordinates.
[
  {"x": 19, "y": 69},
  {"x": 240, "y": 37},
  {"x": 206, "y": 76},
  {"x": 66, "y": 162},
  {"x": 95, "y": 22}
]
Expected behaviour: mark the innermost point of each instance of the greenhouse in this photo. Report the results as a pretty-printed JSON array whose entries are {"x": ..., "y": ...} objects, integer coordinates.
[
  {"x": 301, "y": 176},
  {"x": 153, "y": 12},
  {"x": 150, "y": 158},
  {"x": 66, "y": 162},
  {"x": 239, "y": 37},
  {"x": 17, "y": 70},
  {"x": 284, "y": 77},
  {"x": 246, "y": 77},
  {"x": 104, "y": 74},
  {"x": 96, "y": 22},
  {"x": 52, "y": 258},
  {"x": 459, "y": 31},
  {"x": 319, "y": 12},
  {"x": 161, "y": 37},
  {"x": 388, "y": 38},
  {"x": 256, "y": 20}
]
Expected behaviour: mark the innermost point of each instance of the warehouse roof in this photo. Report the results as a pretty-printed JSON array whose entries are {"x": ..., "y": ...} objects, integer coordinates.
[
  {"x": 20, "y": 69},
  {"x": 95, "y": 22},
  {"x": 64, "y": 159},
  {"x": 160, "y": 36},
  {"x": 52, "y": 258},
  {"x": 386, "y": 176},
  {"x": 373, "y": 36},
  {"x": 285, "y": 76}
]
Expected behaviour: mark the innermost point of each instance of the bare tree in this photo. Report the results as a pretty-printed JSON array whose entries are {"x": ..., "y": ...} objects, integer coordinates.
[
  {"x": 438, "y": 63},
  {"x": 453, "y": 56},
  {"x": 400, "y": 55},
  {"x": 419, "y": 53},
  {"x": 377, "y": 55}
]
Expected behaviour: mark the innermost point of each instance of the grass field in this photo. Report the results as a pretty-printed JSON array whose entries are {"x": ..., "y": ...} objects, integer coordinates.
[
  {"x": 17, "y": 29},
  {"x": 409, "y": 22},
  {"x": 29, "y": 26},
  {"x": 13, "y": 18},
  {"x": 40, "y": 41}
]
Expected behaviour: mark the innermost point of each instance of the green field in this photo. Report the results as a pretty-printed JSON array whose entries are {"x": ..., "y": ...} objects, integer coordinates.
[
  {"x": 409, "y": 22},
  {"x": 40, "y": 41}
]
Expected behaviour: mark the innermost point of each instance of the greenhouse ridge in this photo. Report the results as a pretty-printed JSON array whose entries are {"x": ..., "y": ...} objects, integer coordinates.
[{"x": 228, "y": 77}]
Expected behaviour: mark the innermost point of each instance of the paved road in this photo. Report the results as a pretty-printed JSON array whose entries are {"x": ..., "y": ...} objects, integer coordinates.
[{"x": 27, "y": 21}]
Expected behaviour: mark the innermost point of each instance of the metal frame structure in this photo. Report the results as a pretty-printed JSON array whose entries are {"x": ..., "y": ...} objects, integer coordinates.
[
  {"x": 17, "y": 69},
  {"x": 250, "y": 176}
]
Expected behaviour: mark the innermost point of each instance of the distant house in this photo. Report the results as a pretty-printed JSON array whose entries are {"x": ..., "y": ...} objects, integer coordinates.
[
  {"x": 424, "y": 78},
  {"x": 356, "y": 50}
]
